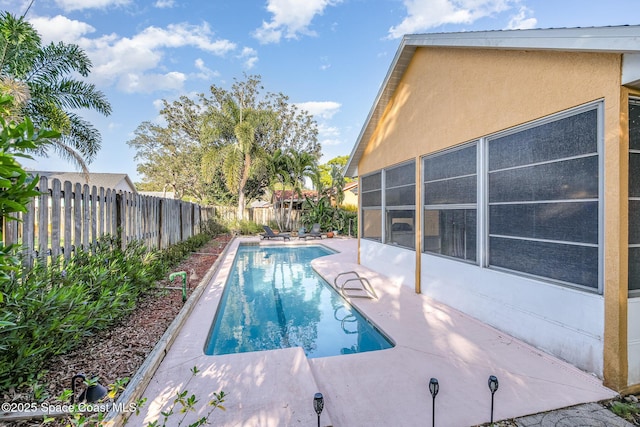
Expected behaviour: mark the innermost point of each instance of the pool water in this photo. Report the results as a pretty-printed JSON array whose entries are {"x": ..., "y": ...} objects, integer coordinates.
[{"x": 273, "y": 299}]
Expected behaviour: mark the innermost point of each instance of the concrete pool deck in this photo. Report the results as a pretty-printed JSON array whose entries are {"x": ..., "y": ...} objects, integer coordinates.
[{"x": 379, "y": 388}]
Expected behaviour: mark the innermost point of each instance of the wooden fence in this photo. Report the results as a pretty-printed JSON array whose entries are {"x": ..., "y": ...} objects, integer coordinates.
[
  {"x": 68, "y": 217},
  {"x": 261, "y": 216}
]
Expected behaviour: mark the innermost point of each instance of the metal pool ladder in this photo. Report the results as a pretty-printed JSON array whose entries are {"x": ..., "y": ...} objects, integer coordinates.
[{"x": 364, "y": 290}]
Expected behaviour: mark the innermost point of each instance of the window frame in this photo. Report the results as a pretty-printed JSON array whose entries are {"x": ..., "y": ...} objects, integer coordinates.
[
  {"x": 386, "y": 208},
  {"x": 379, "y": 208},
  {"x": 598, "y": 106},
  {"x": 632, "y": 293},
  {"x": 452, "y": 206}
]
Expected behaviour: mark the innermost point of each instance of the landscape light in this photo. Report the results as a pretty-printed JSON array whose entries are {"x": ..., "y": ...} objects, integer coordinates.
[
  {"x": 493, "y": 386},
  {"x": 93, "y": 393},
  {"x": 434, "y": 387},
  {"x": 318, "y": 405}
]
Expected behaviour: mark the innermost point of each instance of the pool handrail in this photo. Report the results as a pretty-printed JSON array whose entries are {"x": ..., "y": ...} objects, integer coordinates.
[{"x": 365, "y": 286}]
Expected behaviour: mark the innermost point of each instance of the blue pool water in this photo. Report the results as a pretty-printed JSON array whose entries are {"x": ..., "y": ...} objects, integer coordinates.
[{"x": 274, "y": 299}]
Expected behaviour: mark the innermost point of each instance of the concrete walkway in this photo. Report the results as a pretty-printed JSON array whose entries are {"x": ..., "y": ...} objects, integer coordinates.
[{"x": 379, "y": 388}]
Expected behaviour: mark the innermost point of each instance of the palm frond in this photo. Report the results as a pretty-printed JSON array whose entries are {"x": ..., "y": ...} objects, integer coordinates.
[
  {"x": 70, "y": 94},
  {"x": 56, "y": 60}
]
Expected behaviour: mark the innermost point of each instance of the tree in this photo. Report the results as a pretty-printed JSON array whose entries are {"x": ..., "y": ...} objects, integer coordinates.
[
  {"x": 242, "y": 130},
  {"x": 55, "y": 92},
  {"x": 278, "y": 169},
  {"x": 167, "y": 160},
  {"x": 337, "y": 183},
  {"x": 17, "y": 187},
  {"x": 231, "y": 137},
  {"x": 326, "y": 170},
  {"x": 237, "y": 131},
  {"x": 302, "y": 165},
  {"x": 170, "y": 155}
]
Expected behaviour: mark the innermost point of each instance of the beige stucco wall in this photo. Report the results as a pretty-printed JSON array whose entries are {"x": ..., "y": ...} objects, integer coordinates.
[{"x": 451, "y": 96}]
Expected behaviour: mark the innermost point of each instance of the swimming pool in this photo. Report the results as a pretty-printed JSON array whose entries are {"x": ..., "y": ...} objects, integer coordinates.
[{"x": 274, "y": 299}]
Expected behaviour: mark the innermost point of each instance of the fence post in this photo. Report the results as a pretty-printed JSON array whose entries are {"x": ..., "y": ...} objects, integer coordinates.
[{"x": 120, "y": 227}]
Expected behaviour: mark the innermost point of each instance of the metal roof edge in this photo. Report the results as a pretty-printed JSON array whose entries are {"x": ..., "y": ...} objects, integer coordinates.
[
  {"x": 403, "y": 51},
  {"x": 620, "y": 39}
]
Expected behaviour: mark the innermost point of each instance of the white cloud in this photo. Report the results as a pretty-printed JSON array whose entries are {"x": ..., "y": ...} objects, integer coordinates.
[
  {"x": 325, "y": 63},
  {"x": 164, "y": 4},
  {"x": 320, "y": 109},
  {"x": 61, "y": 28},
  {"x": 290, "y": 19},
  {"x": 148, "y": 83},
  {"x": 134, "y": 64},
  {"x": 425, "y": 14},
  {"x": 521, "y": 21},
  {"x": 70, "y": 5},
  {"x": 250, "y": 57},
  {"x": 328, "y": 135},
  {"x": 204, "y": 73}
]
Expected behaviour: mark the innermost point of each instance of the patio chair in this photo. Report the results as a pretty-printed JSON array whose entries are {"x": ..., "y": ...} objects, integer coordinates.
[
  {"x": 302, "y": 234},
  {"x": 315, "y": 231},
  {"x": 269, "y": 234}
]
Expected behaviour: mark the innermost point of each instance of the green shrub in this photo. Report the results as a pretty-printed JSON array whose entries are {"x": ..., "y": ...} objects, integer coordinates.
[
  {"x": 245, "y": 227},
  {"x": 213, "y": 228},
  {"x": 49, "y": 310}
]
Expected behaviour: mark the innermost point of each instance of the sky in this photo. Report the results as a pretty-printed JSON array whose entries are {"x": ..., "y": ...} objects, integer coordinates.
[{"x": 328, "y": 56}]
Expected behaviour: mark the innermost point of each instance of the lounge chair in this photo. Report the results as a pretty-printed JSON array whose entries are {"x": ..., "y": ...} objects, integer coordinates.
[
  {"x": 269, "y": 234},
  {"x": 302, "y": 234},
  {"x": 315, "y": 231}
]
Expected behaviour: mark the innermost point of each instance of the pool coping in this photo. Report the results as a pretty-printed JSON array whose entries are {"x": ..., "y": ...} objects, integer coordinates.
[{"x": 431, "y": 339}]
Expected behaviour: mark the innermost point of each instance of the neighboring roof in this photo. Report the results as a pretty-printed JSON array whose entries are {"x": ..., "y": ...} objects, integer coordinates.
[
  {"x": 623, "y": 39},
  {"x": 117, "y": 181},
  {"x": 351, "y": 186}
]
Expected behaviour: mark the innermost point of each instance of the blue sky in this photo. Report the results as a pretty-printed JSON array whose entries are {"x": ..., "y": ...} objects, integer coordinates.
[{"x": 328, "y": 56}]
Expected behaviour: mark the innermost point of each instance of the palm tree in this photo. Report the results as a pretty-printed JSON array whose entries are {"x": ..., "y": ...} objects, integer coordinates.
[
  {"x": 54, "y": 91},
  {"x": 234, "y": 133},
  {"x": 337, "y": 183},
  {"x": 302, "y": 165},
  {"x": 278, "y": 170}
]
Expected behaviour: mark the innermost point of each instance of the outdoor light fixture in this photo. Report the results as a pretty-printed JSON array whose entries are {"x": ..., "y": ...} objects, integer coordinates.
[
  {"x": 434, "y": 387},
  {"x": 318, "y": 405},
  {"x": 93, "y": 393},
  {"x": 493, "y": 386}
]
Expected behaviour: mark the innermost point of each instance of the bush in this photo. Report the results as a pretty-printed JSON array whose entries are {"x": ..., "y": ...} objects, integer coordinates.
[{"x": 50, "y": 309}]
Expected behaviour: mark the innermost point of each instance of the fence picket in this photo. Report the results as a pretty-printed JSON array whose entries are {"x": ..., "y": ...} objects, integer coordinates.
[
  {"x": 77, "y": 217},
  {"x": 68, "y": 225},
  {"x": 56, "y": 201},
  {"x": 43, "y": 219}
]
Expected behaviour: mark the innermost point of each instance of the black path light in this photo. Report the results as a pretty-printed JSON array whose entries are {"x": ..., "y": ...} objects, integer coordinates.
[
  {"x": 493, "y": 386},
  {"x": 318, "y": 405},
  {"x": 93, "y": 393},
  {"x": 434, "y": 387}
]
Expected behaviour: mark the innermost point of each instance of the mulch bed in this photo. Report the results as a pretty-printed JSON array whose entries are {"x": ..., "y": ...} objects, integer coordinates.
[{"x": 118, "y": 352}]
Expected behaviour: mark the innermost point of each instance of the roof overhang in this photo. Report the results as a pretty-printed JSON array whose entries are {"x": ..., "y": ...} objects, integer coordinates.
[{"x": 624, "y": 40}]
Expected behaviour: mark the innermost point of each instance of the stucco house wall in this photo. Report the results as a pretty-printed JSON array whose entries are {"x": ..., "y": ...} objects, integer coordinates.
[{"x": 448, "y": 96}]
